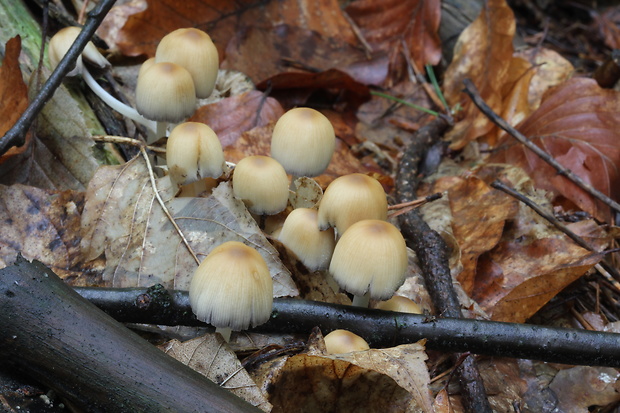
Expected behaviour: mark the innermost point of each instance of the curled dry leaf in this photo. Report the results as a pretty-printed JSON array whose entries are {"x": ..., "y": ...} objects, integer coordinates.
[
  {"x": 210, "y": 356},
  {"x": 387, "y": 380},
  {"x": 483, "y": 54},
  {"x": 123, "y": 220},
  {"x": 577, "y": 123},
  {"x": 232, "y": 116}
]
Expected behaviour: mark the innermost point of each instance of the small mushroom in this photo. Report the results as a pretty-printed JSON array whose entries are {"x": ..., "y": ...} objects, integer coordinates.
[
  {"x": 303, "y": 141},
  {"x": 400, "y": 304},
  {"x": 300, "y": 233},
  {"x": 370, "y": 261},
  {"x": 193, "y": 151},
  {"x": 232, "y": 289},
  {"x": 59, "y": 46},
  {"x": 344, "y": 341},
  {"x": 194, "y": 50},
  {"x": 261, "y": 183},
  {"x": 351, "y": 198},
  {"x": 165, "y": 93}
]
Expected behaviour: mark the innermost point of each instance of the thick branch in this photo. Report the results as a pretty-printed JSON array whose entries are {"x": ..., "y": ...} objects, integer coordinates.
[
  {"x": 51, "y": 333},
  {"x": 157, "y": 305}
]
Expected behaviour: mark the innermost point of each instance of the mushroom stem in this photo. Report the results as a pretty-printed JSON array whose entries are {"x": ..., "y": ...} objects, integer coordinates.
[
  {"x": 162, "y": 128},
  {"x": 361, "y": 300},
  {"x": 116, "y": 104},
  {"x": 225, "y": 332}
]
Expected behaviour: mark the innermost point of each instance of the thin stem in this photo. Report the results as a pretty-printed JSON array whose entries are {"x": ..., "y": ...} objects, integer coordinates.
[
  {"x": 433, "y": 79},
  {"x": 116, "y": 104},
  {"x": 225, "y": 333},
  {"x": 404, "y": 102},
  {"x": 361, "y": 300}
]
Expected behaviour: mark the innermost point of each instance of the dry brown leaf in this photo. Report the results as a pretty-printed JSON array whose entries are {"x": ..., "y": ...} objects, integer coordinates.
[
  {"x": 13, "y": 101},
  {"x": 521, "y": 275},
  {"x": 580, "y": 388},
  {"x": 479, "y": 214},
  {"x": 395, "y": 27},
  {"x": 232, "y": 116},
  {"x": 123, "y": 220},
  {"x": 577, "y": 124},
  {"x": 211, "y": 356},
  {"x": 320, "y": 384},
  {"x": 607, "y": 23},
  {"x": 42, "y": 225},
  {"x": 483, "y": 54}
]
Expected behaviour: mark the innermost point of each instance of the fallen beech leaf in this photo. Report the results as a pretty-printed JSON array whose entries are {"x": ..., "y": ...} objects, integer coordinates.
[
  {"x": 479, "y": 213},
  {"x": 123, "y": 220},
  {"x": 211, "y": 356},
  {"x": 232, "y": 116},
  {"x": 42, "y": 225},
  {"x": 551, "y": 70},
  {"x": 520, "y": 275},
  {"x": 394, "y": 25},
  {"x": 607, "y": 23},
  {"x": 483, "y": 54},
  {"x": 579, "y": 388},
  {"x": 577, "y": 124}
]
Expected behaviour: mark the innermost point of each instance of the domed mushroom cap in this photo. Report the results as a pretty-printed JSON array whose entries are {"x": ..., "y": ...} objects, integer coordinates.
[
  {"x": 351, "y": 198},
  {"x": 165, "y": 93},
  {"x": 193, "y": 151},
  {"x": 371, "y": 256},
  {"x": 194, "y": 50},
  {"x": 300, "y": 233},
  {"x": 303, "y": 141},
  {"x": 61, "y": 42},
  {"x": 400, "y": 304},
  {"x": 261, "y": 183},
  {"x": 344, "y": 341},
  {"x": 232, "y": 288}
]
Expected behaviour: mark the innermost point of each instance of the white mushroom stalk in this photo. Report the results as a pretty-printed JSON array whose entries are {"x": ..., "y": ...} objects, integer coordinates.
[{"x": 59, "y": 45}]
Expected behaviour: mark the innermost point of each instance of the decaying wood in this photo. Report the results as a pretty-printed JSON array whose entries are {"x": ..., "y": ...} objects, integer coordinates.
[{"x": 54, "y": 335}]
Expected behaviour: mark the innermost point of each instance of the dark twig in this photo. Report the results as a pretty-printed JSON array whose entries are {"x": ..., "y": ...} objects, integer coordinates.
[
  {"x": 16, "y": 135},
  {"x": 432, "y": 253},
  {"x": 471, "y": 90},
  {"x": 156, "y": 305},
  {"x": 553, "y": 221}
]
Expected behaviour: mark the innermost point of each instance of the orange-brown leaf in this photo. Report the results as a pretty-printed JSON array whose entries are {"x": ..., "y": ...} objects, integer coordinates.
[
  {"x": 577, "y": 123},
  {"x": 483, "y": 54},
  {"x": 390, "y": 26},
  {"x": 13, "y": 95}
]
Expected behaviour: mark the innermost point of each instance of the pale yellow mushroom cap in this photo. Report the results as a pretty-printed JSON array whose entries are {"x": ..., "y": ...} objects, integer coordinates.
[
  {"x": 371, "y": 256},
  {"x": 61, "y": 42},
  {"x": 400, "y": 304},
  {"x": 303, "y": 141},
  {"x": 194, "y": 50},
  {"x": 261, "y": 183},
  {"x": 344, "y": 341},
  {"x": 232, "y": 288},
  {"x": 351, "y": 198},
  {"x": 193, "y": 151},
  {"x": 300, "y": 233},
  {"x": 165, "y": 93}
]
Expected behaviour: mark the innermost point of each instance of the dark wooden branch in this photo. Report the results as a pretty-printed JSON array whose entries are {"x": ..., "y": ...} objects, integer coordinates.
[
  {"x": 157, "y": 305},
  {"x": 432, "y": 253},
  {"x": 16, "y": 135},
  {"x": 471, "y": 90},
  {"x": 51, "y": 333}
]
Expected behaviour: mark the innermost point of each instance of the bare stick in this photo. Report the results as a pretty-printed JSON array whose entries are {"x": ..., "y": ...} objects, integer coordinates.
[
  {"x": 471, "y": 90},
  {"x": 16, "y": 135},
  {"x": 156, "y": 305},
  {"x": 123, "y": 140},
  {"x": 163, "y": 206}
]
